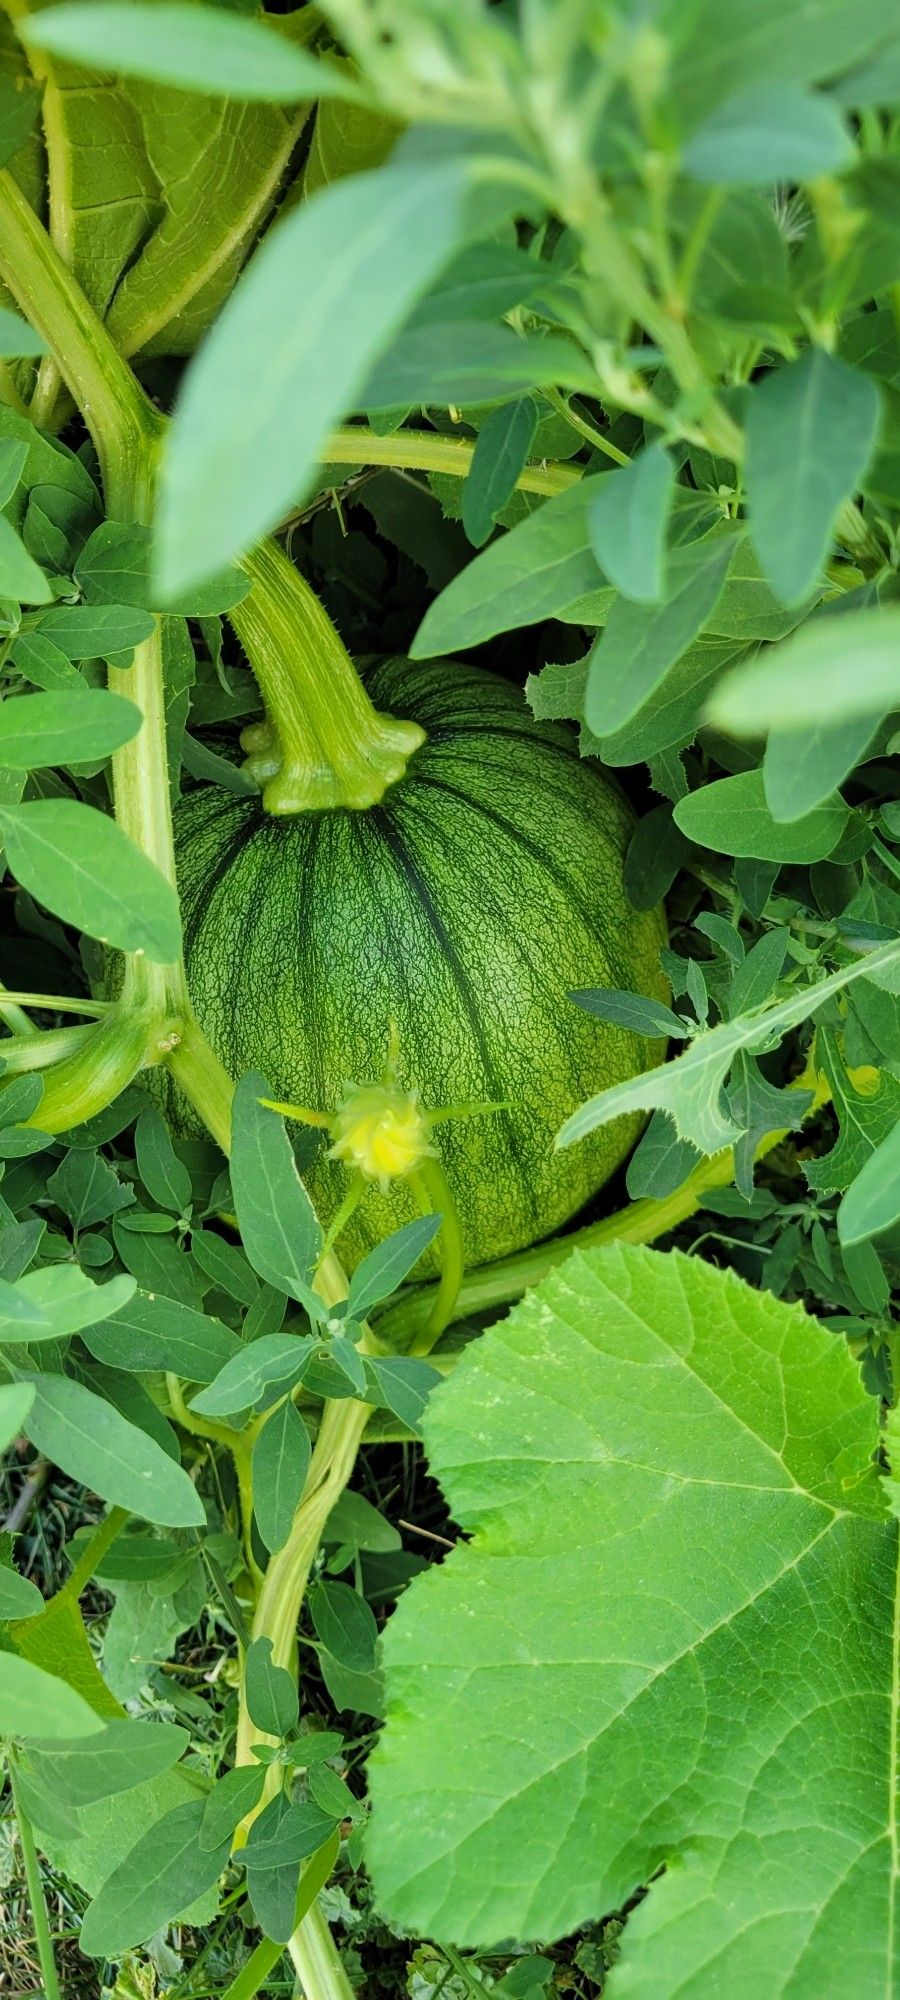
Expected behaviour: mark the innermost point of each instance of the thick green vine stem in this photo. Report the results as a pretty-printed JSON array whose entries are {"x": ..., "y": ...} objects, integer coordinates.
[
  {"x": 323, "y": 744},
  {"x": 123, "y": 423}
]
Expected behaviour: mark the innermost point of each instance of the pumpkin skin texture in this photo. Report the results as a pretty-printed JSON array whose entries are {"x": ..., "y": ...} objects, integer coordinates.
[{"x": 465, "y": 907}]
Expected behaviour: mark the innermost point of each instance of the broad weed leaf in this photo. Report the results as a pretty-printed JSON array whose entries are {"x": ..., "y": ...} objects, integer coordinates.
[
  {"x": 772, "y": 132},
  {"x": 803, "y": 768},
  {"x": 17, "y": 338},
  {"x": 42, "y": 729},
  {"x": 35, "y": 1703},
  {"x": 690, "y": 1087},
  {"x": 85, "y": 1435},
  {"x": 21, "y": 577},
  {"x": 833, "y": 669},
  {"x": 872, "y": 1201},
  {"x": 79, "y": 864},
  {"x": 320, "y": 300},
  {"x": 272, "y": 1700},
  {"x": 16, "y": 1399},
  {"x": 149, "y": 1333},
  {"x": 19, "y": 1597},
  {"x": 732, "y": 816},
  {"x": 345, "y": 1625},
  {"x": 280, "y": 1462},
  {"x": 279, "y": 1227},
  {"x": 719, "y": 51},
  {"x": 126, "y": 1753},
  {"x": 199, "y": 48},
  {"x": 534, "y": 571},
  {"x": 166, "y": 1870},
  {"x": 707, "y": 1565},
  {"x": 501, "y": 452},
  {"x": 271, "y": 1361},
  {"x": 628, "y": 520},
  {"x": 641, "y": 641},
  {"x": 810, "y": 430},
  {"x": 386, "y": 1267}
]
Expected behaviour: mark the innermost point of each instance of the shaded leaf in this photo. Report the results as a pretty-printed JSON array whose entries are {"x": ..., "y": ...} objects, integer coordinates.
[
  {"x": 810, "y": 430},
  {"x": 628, "y": 519}
]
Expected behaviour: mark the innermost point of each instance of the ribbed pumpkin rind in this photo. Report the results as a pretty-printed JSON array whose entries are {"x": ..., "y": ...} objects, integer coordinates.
[{"x": 465, "y": 907}]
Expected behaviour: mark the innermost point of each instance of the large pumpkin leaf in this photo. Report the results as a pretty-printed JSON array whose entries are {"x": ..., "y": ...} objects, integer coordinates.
[{"x": 665, "y": 1656}]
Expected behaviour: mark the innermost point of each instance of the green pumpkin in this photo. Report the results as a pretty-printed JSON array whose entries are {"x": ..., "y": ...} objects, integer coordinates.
[{"x": 464, "y": 908}]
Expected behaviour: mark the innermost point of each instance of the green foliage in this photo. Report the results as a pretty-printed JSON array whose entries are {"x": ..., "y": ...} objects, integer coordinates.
[{"x": 604, "y": 300}]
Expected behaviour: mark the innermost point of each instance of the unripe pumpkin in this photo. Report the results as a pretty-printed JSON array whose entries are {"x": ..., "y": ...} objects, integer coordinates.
[{"x": 463, "y": 908}]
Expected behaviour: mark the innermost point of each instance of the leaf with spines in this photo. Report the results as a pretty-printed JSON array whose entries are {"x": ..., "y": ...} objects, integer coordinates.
[{"x": 867, "y": 1104}]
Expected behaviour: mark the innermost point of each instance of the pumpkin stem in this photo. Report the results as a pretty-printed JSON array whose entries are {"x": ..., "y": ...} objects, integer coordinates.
[{"x": 323, "y": 744}]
